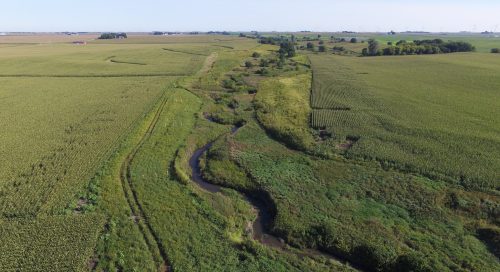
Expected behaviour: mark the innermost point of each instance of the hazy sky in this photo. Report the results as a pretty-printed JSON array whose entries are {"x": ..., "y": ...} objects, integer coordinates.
[{"x": 261, "y": 15}]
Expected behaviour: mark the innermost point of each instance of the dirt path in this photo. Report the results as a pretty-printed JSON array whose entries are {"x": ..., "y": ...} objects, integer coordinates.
[
  {"x": 207, "y": 65},
  {"x": 137, "y": 213}
]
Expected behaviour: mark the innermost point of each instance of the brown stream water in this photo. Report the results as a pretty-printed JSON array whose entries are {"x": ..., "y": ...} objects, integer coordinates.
[{"x": 264, "y": 214}]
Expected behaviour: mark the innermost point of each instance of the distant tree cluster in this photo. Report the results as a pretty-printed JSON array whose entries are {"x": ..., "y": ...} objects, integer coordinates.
[
  {"x": 160, "y": 33},
  {"x": 277, "y": 40},
  {"x": 417, "y": 47},
  {"x": 109, "y": 36},
  {"x": 287, "y": 49},
  {"x": 218, "y": 33},
  {"x": 495, "y": 50}
]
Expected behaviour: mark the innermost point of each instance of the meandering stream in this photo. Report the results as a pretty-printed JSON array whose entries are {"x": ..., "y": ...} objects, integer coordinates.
[{"x": 264, "y": 216}]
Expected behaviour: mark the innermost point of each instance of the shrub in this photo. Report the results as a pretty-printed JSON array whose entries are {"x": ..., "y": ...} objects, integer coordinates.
[
  {"x": 373, "y": 47},
  {"x": 412, "y": 262},
  {"x": 354, "y": 40},
  {"x": 338, "y": 48},
  {"x": 495, "y": 50},
  {"x": 375, "y": 256},
  {"x": 248, "y": 64},
  {"x": 228, "y": 84},
  {"x": 263, "y": 71},
  {"x": 256, "y": 55}
]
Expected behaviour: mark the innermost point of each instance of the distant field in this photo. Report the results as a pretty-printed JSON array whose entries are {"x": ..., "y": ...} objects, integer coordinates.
[
  {"x": 429, "y": 114},
  {"x": 206, "y": 40},
  {"x": 96, "y": 60},
  {"x": 45, "y": 38}
]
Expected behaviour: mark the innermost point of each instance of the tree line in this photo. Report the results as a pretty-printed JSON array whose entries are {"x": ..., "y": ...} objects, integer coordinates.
[
  {"x": 109, "y": 36},
  {"x": 417, "y": 47}
]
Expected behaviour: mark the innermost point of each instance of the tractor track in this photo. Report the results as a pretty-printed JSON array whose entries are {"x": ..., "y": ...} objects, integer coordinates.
[{"x": 150, "y": 236}]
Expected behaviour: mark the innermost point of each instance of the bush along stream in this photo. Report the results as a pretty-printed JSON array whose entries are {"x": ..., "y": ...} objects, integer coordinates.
[
  {"x": 264, "y": 212},
  {"x": 262, "y": 203}
]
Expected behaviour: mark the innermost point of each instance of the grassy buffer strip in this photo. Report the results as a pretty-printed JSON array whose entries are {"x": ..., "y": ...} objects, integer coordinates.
[{"x": 150, "y": 236}]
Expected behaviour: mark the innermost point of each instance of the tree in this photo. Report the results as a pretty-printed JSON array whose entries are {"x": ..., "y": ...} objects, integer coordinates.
[
  {"x": 287, "y": 49},
  {"x": 373, "y": 47},
  {"x": 354, "y": 40},
  {"x": 389, "y": 51},
  {"x": 495, "y": 50},
  {"x": 310, "y": 46},
  {"x": 401, "y": 42},
  {"x": 322, "y": 48}
]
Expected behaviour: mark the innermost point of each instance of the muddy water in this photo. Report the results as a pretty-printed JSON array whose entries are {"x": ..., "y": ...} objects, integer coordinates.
[
  {"x": 264, "y": 217},
  {"x": 264, "y": 214}
]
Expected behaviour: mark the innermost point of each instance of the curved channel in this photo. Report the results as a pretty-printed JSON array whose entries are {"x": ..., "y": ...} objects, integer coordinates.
[{"x": 264, "y": 216}]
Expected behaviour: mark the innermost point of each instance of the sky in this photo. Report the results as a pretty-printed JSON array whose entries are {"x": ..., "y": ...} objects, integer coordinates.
[{"x": 259, "y": 15}]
